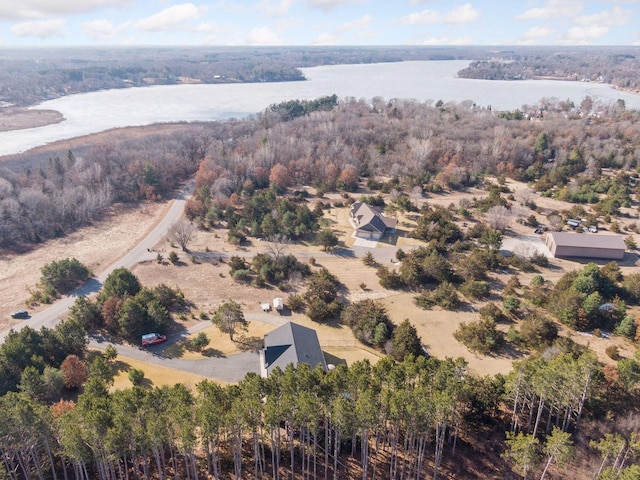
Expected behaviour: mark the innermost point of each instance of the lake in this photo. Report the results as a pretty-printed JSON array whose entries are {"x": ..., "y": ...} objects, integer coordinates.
[{"x": 425, "y": 80}]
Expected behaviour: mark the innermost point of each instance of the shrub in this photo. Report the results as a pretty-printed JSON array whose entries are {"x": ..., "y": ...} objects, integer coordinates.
[
  {"x": 369, "y": 260},
  {"x": 480, "y": 336},
  {"x": 64, "y": 275},
  {"x": 295, "y": 302},
  {"x": 613, "y": 352},
  {"x": 136, "y": 376},
  {"x": 539, "y": 259},
  {"x": 242, "y": 276},
  {"x": 369, "y": 322},
  {"x": 199, "y": 342},
  {"x": 511, "y": 304},
  {"x": 389, "y": 279},
  {"x": 173, "y": 257},
  {"x": 537, "y": 331},
  {"x": 491, "y": 311},
  {"x": 476, "y": 289},
  {"x": 537, "y": 280},
  {"x": 444, "y": 295}
]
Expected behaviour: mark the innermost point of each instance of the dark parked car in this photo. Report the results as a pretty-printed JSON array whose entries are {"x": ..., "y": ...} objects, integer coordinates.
[{"x": 20, "y": 314}]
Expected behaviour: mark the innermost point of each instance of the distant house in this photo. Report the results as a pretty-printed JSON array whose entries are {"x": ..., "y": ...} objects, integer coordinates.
[
  {"x": 370, "y": 222},
  {"x": 290, "y": 343},
  {"x": 568, "y": 245}
]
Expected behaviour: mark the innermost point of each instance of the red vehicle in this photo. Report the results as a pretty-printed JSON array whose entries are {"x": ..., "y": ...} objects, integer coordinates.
[{"x": 152, "y": 339}]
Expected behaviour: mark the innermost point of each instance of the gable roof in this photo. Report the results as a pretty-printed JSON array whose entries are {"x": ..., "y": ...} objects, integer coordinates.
[
  {"x": 585, "y": 240},
  {"x": 292, "y": 343},
  {"x": 370, "y": 218}
]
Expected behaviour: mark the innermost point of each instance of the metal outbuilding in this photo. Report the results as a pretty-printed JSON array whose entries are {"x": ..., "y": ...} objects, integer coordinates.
[{"x": 568, "y": 245}]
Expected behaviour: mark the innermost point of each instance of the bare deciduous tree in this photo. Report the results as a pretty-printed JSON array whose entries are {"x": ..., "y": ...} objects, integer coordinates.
[
  {"x": 277, "y": 245},
  {"x": 416, "y": 195},
  {"x": 555, "y": 222},
  {"x": 524, "y": 196},
  {"x": 181, "y": 233},
  {"x": 498, "y": 217}
]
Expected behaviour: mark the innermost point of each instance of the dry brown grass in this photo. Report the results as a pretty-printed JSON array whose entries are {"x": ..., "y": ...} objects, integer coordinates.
[
  {"x": 155, "y": 375},
  {"x": 96, "y": 246}
]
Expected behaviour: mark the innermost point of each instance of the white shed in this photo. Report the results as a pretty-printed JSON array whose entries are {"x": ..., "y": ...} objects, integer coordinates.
[{"x": 278, "y": 304}]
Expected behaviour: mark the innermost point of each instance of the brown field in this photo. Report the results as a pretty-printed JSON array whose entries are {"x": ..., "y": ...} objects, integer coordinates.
[{"x": 97, "y": 246}]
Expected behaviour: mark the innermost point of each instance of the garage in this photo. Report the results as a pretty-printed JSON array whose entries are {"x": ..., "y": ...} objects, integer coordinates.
[{"x": 585, "y": 245}]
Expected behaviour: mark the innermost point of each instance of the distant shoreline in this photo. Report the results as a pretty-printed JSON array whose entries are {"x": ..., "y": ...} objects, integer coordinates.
[{"x": 20, "y": 118}]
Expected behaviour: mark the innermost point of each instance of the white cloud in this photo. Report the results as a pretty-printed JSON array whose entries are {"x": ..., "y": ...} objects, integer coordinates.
[
  {"x": 327, "y": 5},
  {"x": 462, "y": 14},
  {"x": 448, "y": 41},
  {"x": 553, "y": 9},
  {"x": 102, "y": 29},
  {"x": 169, "y": 17},
  {"x": 356, "y": 28},
  {"x": 584, "y": 35},
  {"x": 204, "y": 27},
  {"x": 12, "y": 9},
  {"x": 278, "y": 8},
  {"x": 362, "y": 22},
  {"x": 534, "y": 35},
  {"x": 39, "y": 28},
  {"x": 326, "y": 39},
  {"x": 615, "y": 17},
  {"x": 263, "y": 36}
]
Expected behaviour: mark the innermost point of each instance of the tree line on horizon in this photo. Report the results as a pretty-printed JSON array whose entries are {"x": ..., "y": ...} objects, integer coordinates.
[{"x": 448, "y": 146}]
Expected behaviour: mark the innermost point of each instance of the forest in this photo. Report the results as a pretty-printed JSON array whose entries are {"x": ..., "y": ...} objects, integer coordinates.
[
  {"x": 407, "y": 416},
  {"x": 435, "y": 146},
  {"x": 410, "y": 419},
  {"x": 616, "y": 66}
]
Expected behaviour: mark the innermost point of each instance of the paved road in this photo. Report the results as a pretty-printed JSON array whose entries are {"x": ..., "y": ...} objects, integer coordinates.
[{"x": 55, "y": 313}]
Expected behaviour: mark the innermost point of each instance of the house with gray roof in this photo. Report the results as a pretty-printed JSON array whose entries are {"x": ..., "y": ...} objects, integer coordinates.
[
  {"x": 369, "y": 221},
  {"x": 290, "y": 343},
  {"x": 585, "y": 245}
]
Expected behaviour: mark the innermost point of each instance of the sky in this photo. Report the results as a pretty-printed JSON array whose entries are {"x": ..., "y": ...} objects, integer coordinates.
[{"x": 318, "y": 22}]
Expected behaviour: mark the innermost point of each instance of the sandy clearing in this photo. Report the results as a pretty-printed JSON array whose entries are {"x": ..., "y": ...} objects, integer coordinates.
[{"x": 435, "y": 328}]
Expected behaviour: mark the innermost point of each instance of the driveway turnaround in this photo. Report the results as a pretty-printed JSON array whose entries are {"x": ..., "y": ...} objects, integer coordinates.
[{"x": 231, "y": 368}]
